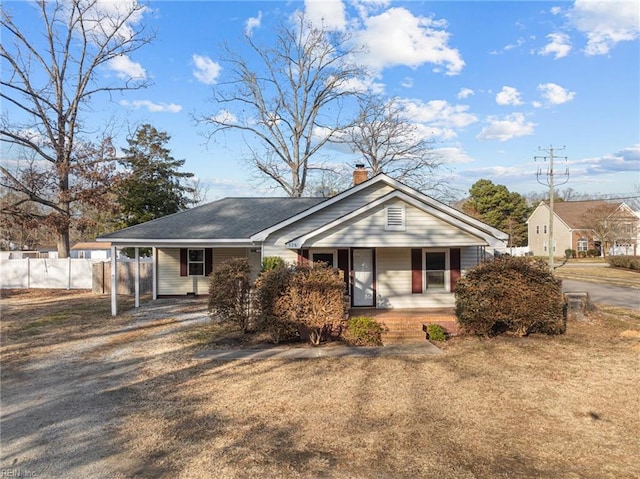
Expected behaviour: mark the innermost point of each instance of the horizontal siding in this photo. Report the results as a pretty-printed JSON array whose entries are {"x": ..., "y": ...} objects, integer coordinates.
[
  {"x": 171, "y": 283},
  {"x": 393, "y": 283},
  {"x": 169, "y": 280},
  {"x": 368, "y": 230},
  {"x": 326, "y": 215}
]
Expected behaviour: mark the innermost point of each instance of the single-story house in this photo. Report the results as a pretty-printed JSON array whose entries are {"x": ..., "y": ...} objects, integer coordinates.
[
  {"x": 573, "y": 227},
  {"x": 398, "y": 247}
]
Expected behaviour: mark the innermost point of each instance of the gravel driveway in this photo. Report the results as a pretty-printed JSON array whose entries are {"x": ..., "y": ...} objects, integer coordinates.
[{"x": 62, "y": 407}]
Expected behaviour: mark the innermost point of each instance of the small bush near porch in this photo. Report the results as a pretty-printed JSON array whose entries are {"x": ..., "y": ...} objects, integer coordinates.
[{"x": 510, "y": 294}]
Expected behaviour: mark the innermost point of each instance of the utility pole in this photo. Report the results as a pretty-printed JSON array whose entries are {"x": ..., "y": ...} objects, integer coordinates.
[{"x": 548, "y": 179}]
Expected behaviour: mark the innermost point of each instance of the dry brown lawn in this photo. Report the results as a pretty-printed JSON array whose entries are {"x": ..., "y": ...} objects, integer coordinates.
[
  {"x": 535, "y": 407},
  {"x": 602, "y": 274}
]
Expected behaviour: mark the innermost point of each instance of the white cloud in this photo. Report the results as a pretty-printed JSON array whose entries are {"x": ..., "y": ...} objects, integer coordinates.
[
  {"x": 407, "y": 82},
  {"x": 508, "y": 96},
  {"x": 559, "y": 45},
  {"x": 465, "y": 93},
  {"x": 151, "y": 106},
  {"x": 366, "y": 7},
  {"x": 453, "y": 155},
  {"x": 252, "y": 23},
  {"x": 107, "y": 18},
  {"x": 555, "y": 94},
  {"x": 127, "y": 69},
  {"x": 506, "y": 128},
  {"x": 206, "y": 71},
  {"x": 363, "y": 85},
  {"x": 225, "y": 116},
  {"x": 397, "y": 37},
  {"x": 627, "y": 159},
  {"x": 511, "y": 46},
  {"x": 438, "y": 113},
  {"x": 605, "y": 23},
  {"x": 329, "y": 13}
]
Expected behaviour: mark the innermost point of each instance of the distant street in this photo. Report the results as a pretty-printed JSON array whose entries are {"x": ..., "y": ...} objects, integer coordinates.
[{"x": 604, "y": 293}]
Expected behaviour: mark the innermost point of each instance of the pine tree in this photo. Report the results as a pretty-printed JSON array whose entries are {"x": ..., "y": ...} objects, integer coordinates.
[{"x": 153, "y": 186}]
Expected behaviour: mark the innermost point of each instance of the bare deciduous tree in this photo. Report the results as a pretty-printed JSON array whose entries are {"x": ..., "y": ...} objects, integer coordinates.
[
  {"x": 291, "y": 102},
  {"x": 389, "y": 143},
  {"x": 611, "y": 224},
  {"x": 48, "y": 82}
]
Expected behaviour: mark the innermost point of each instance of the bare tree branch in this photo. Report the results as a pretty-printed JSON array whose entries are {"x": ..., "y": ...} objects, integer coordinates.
[
  {"x": 292, "y": 104},
  {"x": 48, "y": 88}
]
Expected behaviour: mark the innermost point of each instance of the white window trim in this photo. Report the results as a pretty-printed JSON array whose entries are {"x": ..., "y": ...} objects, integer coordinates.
[
  {"x": 189, "y": 262},
  {"x": 447, "y": 270},
  {"x": 401, "y": 209}
]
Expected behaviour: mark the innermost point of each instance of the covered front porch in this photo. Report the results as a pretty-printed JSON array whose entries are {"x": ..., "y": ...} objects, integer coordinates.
[{"x": 406, "y": 325}]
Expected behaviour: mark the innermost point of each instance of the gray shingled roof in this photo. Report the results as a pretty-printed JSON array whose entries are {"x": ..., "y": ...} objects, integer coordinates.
[{"x": 228, "y": 218}]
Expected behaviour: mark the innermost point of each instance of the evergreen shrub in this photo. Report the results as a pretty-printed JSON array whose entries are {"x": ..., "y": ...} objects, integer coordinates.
[
  {"x": 510, "y": 294},
  {"x": 628, "y": 262},
  {"x": 436, "y": 332},
  {"x": 363, "y": 331}
]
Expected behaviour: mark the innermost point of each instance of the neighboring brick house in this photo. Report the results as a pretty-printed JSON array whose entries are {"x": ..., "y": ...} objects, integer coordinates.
[{"x": 575, "y": 227}]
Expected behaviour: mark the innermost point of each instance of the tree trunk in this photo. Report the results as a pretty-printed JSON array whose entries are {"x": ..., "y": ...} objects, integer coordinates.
[{"x": 63, "y": 244}]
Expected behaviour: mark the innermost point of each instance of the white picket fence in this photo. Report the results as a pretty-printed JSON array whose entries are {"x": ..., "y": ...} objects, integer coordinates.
[{"x": 54, "y": 273}]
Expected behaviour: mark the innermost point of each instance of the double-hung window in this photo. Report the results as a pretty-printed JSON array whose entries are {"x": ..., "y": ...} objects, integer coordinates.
[
  {"x": 195, "y": 262},
  {"x": 583, "y": 244},
  {"x": 435, "y": 270}
]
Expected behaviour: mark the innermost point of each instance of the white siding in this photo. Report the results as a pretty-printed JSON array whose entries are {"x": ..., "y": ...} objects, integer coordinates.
[
  {"x": 393, "y": 283},
  {"x": 171, "y": 283},
  {"x": 169, "y": 280},
  {"x": 274, "y": 245},
  {"x": 369, "y": 230}
]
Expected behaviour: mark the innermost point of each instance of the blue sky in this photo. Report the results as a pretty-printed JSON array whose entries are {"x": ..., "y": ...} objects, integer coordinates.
[{"x": 490, "y": 81}]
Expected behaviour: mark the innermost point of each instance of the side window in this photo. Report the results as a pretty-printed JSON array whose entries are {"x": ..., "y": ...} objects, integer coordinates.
[
  {"x": 196, "y": 262},
  {"x": 538, "y": 229}
]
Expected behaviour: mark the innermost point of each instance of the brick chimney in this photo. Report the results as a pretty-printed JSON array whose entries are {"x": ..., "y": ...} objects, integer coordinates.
[{"x": 360, "y": 174}]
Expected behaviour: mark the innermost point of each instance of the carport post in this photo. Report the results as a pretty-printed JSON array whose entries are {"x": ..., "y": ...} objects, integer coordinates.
[
  {"x": 137, "y": 278},
  {"x": 114, "y": 281},
  {"x": 154, "y": 281}
]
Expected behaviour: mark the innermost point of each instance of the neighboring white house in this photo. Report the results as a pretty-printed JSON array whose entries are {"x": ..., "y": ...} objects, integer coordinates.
[{"x": 397, "y": 247}]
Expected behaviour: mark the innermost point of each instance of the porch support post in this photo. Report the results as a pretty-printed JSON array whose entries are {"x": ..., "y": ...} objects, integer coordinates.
[
  {"x": 154, "y": 269},
  {"x": 114, "y": 281},
  {"x": 137, "y": 278}
]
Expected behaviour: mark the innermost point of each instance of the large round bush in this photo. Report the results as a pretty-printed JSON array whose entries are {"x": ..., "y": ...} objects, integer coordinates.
[{"x": 510, "y": 294}]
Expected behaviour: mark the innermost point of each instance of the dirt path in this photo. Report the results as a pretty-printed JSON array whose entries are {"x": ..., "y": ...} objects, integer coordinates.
[{"x": 63, "y": 403}]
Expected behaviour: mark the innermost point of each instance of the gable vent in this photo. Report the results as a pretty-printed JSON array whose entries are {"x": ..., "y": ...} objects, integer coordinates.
[{"x": 395, "y": 218}]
